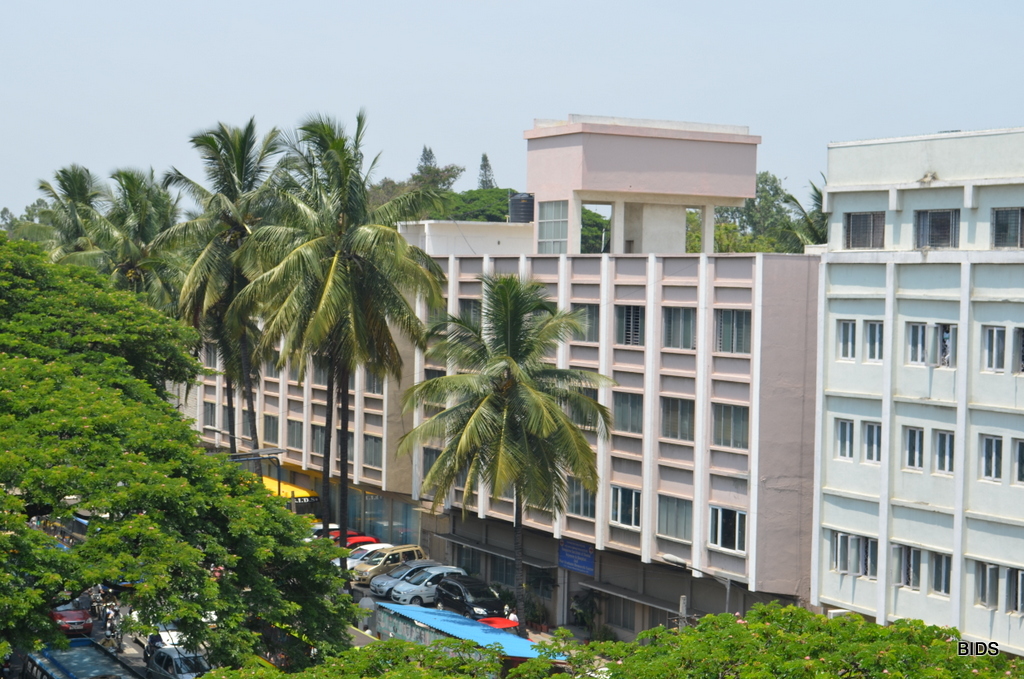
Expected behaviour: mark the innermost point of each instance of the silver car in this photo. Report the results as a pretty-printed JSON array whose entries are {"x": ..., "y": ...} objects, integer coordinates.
[
  {"x": 174, "y": 662},
  {"x": 382, "y": 584},
  {"x": 420, "y": 588}
]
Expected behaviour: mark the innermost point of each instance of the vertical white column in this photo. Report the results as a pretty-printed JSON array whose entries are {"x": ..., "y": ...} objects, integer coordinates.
[
  {"x": 652, "y": 407},
  {"x": 702, "y": 417},
  {"x": 453, "y": 309},
  {"x": 707, "y": 230},
  {"x": 562, "y": 360},
  {"x": 575, "y": 226},
  {"x": 960, "y": 478},
  {"x": 618, "y": 234},
  {"x": 218, "y": 420},
  {"x": 307, "y": 418},
  {"x": 889, "y": 444},
  {"x": 384, "y": 429},
  {"x": 418, "y": 373},
  {"x": 357, "y": 424},
  {"x": 754, "y": 442},
  {"x": 604, "y": 397},
  {"x": 819, "y": 466}
]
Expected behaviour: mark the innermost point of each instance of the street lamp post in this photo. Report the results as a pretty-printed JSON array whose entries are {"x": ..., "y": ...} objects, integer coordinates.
[{"x": 676, "y": 561}]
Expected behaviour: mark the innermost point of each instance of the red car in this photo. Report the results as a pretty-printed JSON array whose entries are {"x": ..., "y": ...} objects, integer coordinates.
[
  {"x": 358, "y": 540},
  {"x": 71, "y": 619}
]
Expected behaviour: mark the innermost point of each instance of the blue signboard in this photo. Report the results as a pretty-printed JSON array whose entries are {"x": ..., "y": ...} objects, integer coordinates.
[{"x": 576, "y": 556}]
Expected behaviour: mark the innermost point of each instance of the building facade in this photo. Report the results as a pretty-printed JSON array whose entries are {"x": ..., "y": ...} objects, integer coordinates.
[
  {"x": 919, "y": 490},
  {"x": 706, "y": 482}
]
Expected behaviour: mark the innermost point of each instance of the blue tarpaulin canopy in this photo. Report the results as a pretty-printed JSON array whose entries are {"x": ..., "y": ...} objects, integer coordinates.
[{"x": 454, "y": 625}]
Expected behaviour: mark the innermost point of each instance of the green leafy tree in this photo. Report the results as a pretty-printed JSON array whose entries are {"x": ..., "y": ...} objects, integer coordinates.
[
  {"x": 239, "y": 168},
  {"x": 766, "y": 214},
  {"x": 811, "y": 225},
  {"x": 82, "y": 414},
  {"x": 595, "y": 233},
  {"x": 475, "y": 205},
  {"x": 70, "y": 227},
  {"x": 486, "y": 180},
  {"x": 336, "y": 277},
  {"x": 429, "y": 176},
  {"x": 512, "y": 425}
]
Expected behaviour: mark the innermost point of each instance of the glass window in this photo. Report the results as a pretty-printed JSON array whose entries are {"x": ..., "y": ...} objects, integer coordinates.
[
  {"x": 229, "y": 418},
  {"x": 246, "y": 425},
  {"x": 1015, "y": 596},
  {"x": 914, "y": 447},
  {"x": 270, "y": 429},
  {"x": 319, "y": 372},
  {"x": 986, "y": 578},
  {"x": 992, "y": 458},
  {"x": 847, "y": 340},
  {"x": 629, "y": 412},
  {"x": 210, "y": 355},
  {"x": 677, "y": 418},
  {"x": 1020, "y": 461},
  {"x": 874, "y": 331},
  {"x": 909, "y": 560},
  {"x": 680, "y": 327},
  {"x": 430, "y": 456},
  {"x": 270, "y": 367},
  {"x": 942, "y": 568},
  {"x": 503, "y": 571},
  {"x": 318, "y": 434},
  {"x": 728, "y": 529},
  {"x": 629, "y": 325},
  {"x": 468, "y": 559},
  {"x": 552, "y": 227},
  {"x": 854, "y": 554},
  {"x": 209, "y": 415},
  {"x": 944, "y": 451},
  {"x": 916, "y": 344},
  {"x": 373, "y": 451},
  {"x": 295, "y": 436},
  {"x": 621, "y": 612},
  {"x": 844, "y": 438},
  {"x": 470, "y": 311},
  {"x": 1006, "y": 231},
  {"x": 945, "y": 345},
  {"x": 592, "y": 320},
  {"x": 625, "y": 507},
  {"x": 732, "y": 331},
  {"x": 374, "y": 384},
  {"x": 865, "y": 230},
  {"x": 730, "y": 425},
  {"x": 675, "y": 517},
  {"x": 581, "y": 500},
  {"x": 993, "y": 340},
  {"x": 873, "y": 441},
  {"x": 938, "y": 228}
]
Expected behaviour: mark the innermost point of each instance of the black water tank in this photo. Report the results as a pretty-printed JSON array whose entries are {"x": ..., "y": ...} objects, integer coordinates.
[{"x": 520, "y": 207}]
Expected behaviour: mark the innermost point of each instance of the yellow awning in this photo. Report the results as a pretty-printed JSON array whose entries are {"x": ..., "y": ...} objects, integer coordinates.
[{"x": 290, "y": 490}]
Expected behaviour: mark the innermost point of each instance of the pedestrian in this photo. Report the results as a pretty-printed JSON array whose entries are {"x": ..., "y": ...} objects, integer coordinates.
[{"x": 512, "y": 616}]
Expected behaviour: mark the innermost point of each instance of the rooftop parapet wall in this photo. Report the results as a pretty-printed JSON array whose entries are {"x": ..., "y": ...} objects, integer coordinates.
[
  {"x": 954, "y": 157},
  {"x": 587, "y": 153}
]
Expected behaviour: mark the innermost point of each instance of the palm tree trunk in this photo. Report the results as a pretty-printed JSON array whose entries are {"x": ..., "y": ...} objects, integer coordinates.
[
  {"x": 247, "y": 385},
  {"x": 520, "y": 580},
  {"x": 230, "y": 387},
  {"x": 343, "y": 452},
  {"x": 325, "y": 476}
]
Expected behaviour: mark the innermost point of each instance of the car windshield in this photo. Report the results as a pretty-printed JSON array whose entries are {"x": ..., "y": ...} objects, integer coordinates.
[
  {"x": 420, "y": 578},
  {"x": 191, "y": 664},
  {"x": 358, "y": 553},
  {"x": 400, "y": 572},
  {"x": 477, "y": 592},
  {"x": 375, "y": 559}
]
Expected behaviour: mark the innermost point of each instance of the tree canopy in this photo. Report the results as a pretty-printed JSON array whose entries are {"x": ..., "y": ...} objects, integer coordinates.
[{"x": 85, "y": 429}]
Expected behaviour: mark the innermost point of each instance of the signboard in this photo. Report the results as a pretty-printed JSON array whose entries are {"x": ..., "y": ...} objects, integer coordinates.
[{"x": 576, "y": 556}]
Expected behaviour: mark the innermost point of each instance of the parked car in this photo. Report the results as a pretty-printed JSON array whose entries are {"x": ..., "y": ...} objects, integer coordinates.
[
  {"x": 72, "y": 617},
  {"x": 166, "y": 635},
  {"x": 419, "y": 589},
  {"x": 355, "y": 541},
  {"x": 471, "y": 597},
  {"x": 364, "y": 552},
  {"x": 382, "y": 584},
  {"x": 384, "y": 560},
  {"x": 174, "y": 662}
]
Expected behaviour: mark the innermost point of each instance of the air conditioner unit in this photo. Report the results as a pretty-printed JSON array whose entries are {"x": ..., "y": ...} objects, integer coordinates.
[{"x": 836, "y": 612}]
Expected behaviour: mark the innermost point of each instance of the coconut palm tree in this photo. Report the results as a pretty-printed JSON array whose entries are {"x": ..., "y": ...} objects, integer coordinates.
[
  {"x": 511, "y": 423},
  {"x": 239, "y": 168},
  {"x": 810, "y": 226},
  {"x": 335, "y": 277},
  {"x": 72, "y": 227}
]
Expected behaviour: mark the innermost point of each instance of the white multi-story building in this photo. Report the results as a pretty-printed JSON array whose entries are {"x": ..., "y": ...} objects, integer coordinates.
[
  {"x": 710, "y": 461},
  {"x": 919, "y": 489}
]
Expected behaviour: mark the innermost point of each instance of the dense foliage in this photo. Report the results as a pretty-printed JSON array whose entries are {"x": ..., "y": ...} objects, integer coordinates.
[
  {"x": 769, "y": 643},
  {"x": 85, "y": 428}
]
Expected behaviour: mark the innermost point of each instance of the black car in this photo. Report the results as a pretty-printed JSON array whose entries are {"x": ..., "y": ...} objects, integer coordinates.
[{"x": 471, "y": 597}]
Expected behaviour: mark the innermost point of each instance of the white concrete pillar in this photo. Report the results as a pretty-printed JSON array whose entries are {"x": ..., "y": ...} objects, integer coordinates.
[
  {"x": 575, "y": 230},
  {"x": 618, "y": 235},
  {"x": 707, "y": 231}
]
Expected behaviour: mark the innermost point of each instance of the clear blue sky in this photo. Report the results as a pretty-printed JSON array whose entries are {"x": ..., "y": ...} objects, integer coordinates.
[{"x": 113, "y": 84}]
